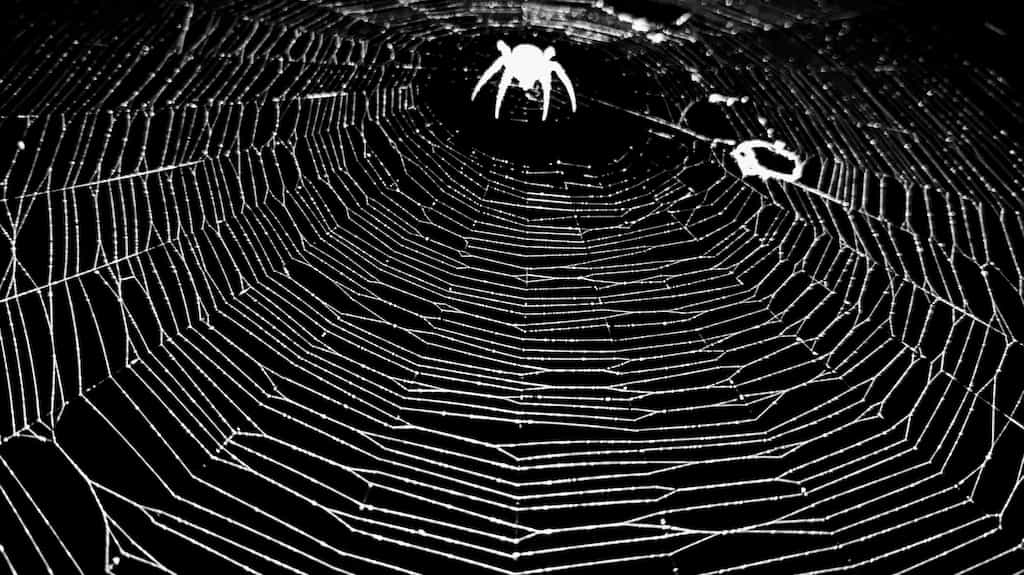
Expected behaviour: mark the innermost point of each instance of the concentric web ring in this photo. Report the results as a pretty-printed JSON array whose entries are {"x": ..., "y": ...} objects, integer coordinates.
[{"x": 279, "y": 299}]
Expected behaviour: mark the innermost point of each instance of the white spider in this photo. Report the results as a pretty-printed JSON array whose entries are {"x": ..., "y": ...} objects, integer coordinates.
[{"x": 527, "y": 65}]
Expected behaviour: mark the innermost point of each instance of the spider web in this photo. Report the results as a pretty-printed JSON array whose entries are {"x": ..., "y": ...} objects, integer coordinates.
[{"x": 279, "y": 299}]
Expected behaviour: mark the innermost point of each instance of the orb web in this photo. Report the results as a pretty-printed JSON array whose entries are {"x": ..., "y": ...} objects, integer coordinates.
[{"x": 279, "y": 299}]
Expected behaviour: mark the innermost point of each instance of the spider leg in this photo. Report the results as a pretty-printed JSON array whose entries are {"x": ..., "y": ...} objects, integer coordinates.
[
  {"x": 545, "y": 88},
  {"x": 488, "y": 74},
  {"x": 506, "y": 81},
  {"x": 560, "y": 72}
]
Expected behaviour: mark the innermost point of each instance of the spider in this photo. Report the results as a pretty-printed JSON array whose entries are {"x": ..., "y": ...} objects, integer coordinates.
[{"x": 527, "y": 65}]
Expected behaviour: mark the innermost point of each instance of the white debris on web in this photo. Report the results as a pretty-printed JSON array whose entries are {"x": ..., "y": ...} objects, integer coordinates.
[
  {"x": 637, "y": 23},
  {"x": 727, "y": 100},
  {"x": 750, "y": 164}
]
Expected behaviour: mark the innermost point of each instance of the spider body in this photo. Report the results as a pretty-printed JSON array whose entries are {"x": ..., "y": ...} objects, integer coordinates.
[{"x": 525, "y": 65}]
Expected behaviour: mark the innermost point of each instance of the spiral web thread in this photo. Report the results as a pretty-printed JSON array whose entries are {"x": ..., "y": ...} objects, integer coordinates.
[{"x": 264, "y": 313}]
